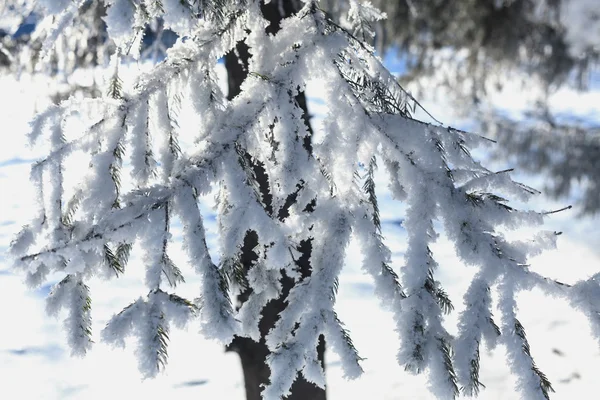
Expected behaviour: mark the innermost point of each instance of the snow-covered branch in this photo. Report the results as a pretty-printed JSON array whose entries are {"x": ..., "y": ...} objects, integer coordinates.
[{"x": 370, "y": 119}]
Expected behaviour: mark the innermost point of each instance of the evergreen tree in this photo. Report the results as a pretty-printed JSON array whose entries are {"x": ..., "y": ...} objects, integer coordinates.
[
  {"x": 469, "y": 50},
  {"x": 288, "y": 202}
]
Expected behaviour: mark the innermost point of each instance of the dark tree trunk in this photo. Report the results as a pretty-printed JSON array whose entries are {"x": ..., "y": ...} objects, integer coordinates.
[{"x": 252, "y": 354}]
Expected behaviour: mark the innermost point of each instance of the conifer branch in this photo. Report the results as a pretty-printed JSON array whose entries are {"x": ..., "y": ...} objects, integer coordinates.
[
  {"x": 288, "y": 191},
  {"x": 544, "y": 384},
  {"x": 369, "y": 188}
]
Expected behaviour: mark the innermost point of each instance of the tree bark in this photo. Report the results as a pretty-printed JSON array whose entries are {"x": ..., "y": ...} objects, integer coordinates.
[{"x": 253, "y": 355}]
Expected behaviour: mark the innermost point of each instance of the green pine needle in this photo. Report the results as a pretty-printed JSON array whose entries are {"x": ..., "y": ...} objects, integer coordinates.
[
  {"x": 545, "y": 385},
  {"x": 446, "y": 350}
]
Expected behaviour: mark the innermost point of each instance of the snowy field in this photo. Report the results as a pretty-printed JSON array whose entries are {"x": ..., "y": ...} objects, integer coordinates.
[{"x": 35, "y": 362}]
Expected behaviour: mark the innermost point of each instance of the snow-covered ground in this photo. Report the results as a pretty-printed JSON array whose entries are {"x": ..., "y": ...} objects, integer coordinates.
[{"x": 35, "y": 362}]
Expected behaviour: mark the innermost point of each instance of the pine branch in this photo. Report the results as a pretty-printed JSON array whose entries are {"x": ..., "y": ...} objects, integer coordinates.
[
  {"x": 544, "y": 384},
  {"x": 71, "y": 208},
  {"x": 234, "y": 270},
  {"x": 254, "y": 147},
  {"x": 181, "y": 301},
  {"x": 171, "y": 271},
  {"x": 369, "y": 189},
  {"x": 446, "y": 350},
  {"x": 93, "y": 235},
  {"x": 473, "y": 386},
  {"x": 345, "y": 334},
  {"x": 112, "y": 261},
  {"x": 115, "y": 170},
  {"x": 417, "y": 357},
  {"x": 162, "y": 337},
  {"x": 115, "y": 88}
]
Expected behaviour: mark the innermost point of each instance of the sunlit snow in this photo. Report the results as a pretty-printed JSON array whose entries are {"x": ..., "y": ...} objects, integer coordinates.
[{"x": 35, "y": 361}]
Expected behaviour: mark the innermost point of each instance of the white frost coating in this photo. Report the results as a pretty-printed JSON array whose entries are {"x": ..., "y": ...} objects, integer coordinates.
[
  {"x": 216, "y": 310},
  {"x": 314, "y": 190},
  {"x": 122, "y": 324},
  {"x": 153, "y": 241},
  {"x": 286, "y": 362},
  {"x": 54, "y": 201},
  {"x": 71, "y": 293},
  {"x": 586, "y": 298},
  {"x": 162, "y": 129},
  {"x": 179, "y": 312},
  {"x": 375, "y": 256},
  {"x": 150, "y": 341},
  {"x": 120, "y": 18},
  {"x": 22, "y": 241},
  {"x": 64, "y": 15},
  {"x": 35, "y": 279},
  {"x": 529, "y": 382},
  {"x": 206, "y": 99},
  {"x": 99, "y": 185},
  {"x": 36, "y": 178},
  {"x": 475, "y": 324},
  {"x": 361, "y": 15},
  {"x": 178, "y": 16},
  {"x": 241, "y": 209},
  {"x": 149, "y": 319},
  {"x": 423, "y": 336},
  {"x": 310, "y": 309},
  {"x": 142, "y": 159},
  {"x": 266, "y": 286},
  {"x": 40, "y": 122}
]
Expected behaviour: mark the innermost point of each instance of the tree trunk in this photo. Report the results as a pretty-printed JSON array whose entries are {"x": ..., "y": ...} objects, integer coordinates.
[{"x": 252, "y": 354}]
